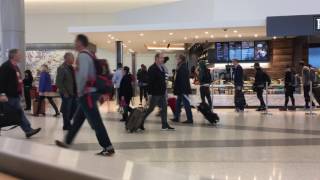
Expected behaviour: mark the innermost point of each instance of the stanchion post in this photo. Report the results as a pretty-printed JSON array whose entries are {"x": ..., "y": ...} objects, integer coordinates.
[
  {"x": 266, "y": 112},
  {"x": 311, "y": 113}
]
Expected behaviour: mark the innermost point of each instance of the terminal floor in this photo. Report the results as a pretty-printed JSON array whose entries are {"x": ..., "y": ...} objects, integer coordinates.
[{"x": 281, "y": 146}]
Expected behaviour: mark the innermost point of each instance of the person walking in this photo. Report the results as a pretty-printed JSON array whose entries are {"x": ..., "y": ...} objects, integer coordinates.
[
  {"x": 261, "y": 78},
  {"x": 289, "y": 88},
  {"x": 239, "y": 99},
  {"x": 157, "y": 89},
  {"x": 182, "y": 89},
  {"x": 126, "y": 92},
  {"x": 87, "y": 101},
  {"x": 205, "y": 81},
  {"x": 27, "y": 85},
  {"x": 11, "y": 89},
  {"x": 45, "y": 88},
  {"x": 66, "y": 84},
  {"x": 306, "y": 80},
  {"x": 142, "y": 76},
  {"x": 116, "y": 80}
]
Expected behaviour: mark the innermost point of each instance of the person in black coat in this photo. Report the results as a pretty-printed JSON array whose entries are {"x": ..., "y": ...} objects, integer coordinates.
[
  {"x": 157, "y": 89},
  {"x": 126, "y": 91},
  {"x": 142, "y": 76},
  {"x": 261, "y": 78},
  {"x": 205, "y": 81},
  {"x": 239, "y": 99},
  {"x": 27, "y": 85},
  {"x": 182, "y": 89},
  {"x": 289, "y": 87}
]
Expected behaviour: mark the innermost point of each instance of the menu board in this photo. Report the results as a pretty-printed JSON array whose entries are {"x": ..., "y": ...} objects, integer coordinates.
[
  {"x": 261, "y": 51},
  {"x": 235, "y": 50},
  {"x": 222, "y": 51},
  {"x": 247, "y": 50}
]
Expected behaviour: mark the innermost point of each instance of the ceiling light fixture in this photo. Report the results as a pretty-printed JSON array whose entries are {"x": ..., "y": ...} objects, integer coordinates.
[
  {"x": 129, "y": 41},
  {"x": 131, "y": 50},
  {"x": 185, "y": 38},
  {"x": 240, "y": 35},
  {"x": 274, "y": 37},
  {"x": 256, "y": 35},
  {"x": 141, "y": 34},
  {"x": 109, "y": 35},
  {"x": 197, "y": 37},
  {"x": 154, "y": 42},
  {"x": 165, "y": 48},
  {"x": 108, "y": 42},
  {"x": 171, "y": 34},
  {"x": 212, "y": 36},
  {"x": 112, "y": 37},
  {"x": 226, "y": 36},
  {"x": 164, "y": 41},
  {"x": 235, "y": 31},
  {"x": 206, "y": 32}
]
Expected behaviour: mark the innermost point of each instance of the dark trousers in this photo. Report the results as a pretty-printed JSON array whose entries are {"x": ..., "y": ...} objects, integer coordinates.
[
  {"x": 143, "y": 93},
  {"x": 25, "y": 125},
  {"x": 205, "y": 93},
  {"x": 260, "y": 97},
  {"x": 306, "y": 91},
  {"x": 127, "y": 109},
  {"x": 289, "y": 94},
  {"x": 53, "y": 104},
  {"x": 27, "y": 96},
  {"x": 187, "y": 107},
  {"x": 88, "y": 108},
  {"x": 160, "y": 101},
  {"x": 239, "y": 99},
  {"x": 68, "y": 108}
]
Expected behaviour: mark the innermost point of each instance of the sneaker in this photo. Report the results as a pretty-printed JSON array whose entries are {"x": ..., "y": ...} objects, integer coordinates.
[
  {"x": 168, "y": 129},
  {"x": 32, "y": 132},
  {"x": 292, "y": 108},
  {"x": 283, "y": 109},
  {"x": 107, "y": 152},
  {"x": 62, "y": 144},
  {"x": 142, "y": 128},
  {"x": 175, "y": 120},
  {"x": 187, "y": 122},
  {"x": 56, "y": 115}
]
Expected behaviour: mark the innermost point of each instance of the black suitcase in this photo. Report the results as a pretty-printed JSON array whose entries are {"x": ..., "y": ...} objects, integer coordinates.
[
  {"x": 206, "y": 111},
  {"x": 135, "y": 120},
  {"x": 316, "y": 93},
  {"x": 9, "y": 116},
  {"x": 239, "y": 100}
]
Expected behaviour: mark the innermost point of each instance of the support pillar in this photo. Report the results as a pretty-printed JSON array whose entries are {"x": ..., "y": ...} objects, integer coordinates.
[
  {"x": 119, "y": 50},
  {"x": 134, "y": 71},
  {"x": 12, "y": 28}
]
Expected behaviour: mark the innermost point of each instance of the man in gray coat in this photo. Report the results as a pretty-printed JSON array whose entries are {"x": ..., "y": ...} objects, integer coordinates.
[{"x": 66, "y": 84}]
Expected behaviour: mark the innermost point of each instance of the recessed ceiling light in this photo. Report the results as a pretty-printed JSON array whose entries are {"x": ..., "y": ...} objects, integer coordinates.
[
  {"x": 109, "y": 35},
  {"x": 274, "y": 37},
  {"x": 124, "y": 46},
  {"x": 197, "y": 37},
  {"x": 141, "y": 34},
  {"x": 226, "y": 36},
  {"x": 129, "y": 41},
  {"x": 112, "y": 37},
  {"x": 206, "y": 32},
  {"x": 164, "y": 41},
  {"x": 154, "y": 42},
  {"x": 240, "y": 35},
  {"x": 131, "y": 50},
  {"x": 212, "y": 36},
  {"x": 171, "y": 34},
  {"x": 108, "y": 42},
  {"x": 235, "y": 31},
  {"x": 185, "y": 38},
  {"x": 256, "y": 35},
  {"x": 117, "y": 39}
]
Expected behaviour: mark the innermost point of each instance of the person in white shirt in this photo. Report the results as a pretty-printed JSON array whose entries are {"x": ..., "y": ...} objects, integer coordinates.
[{"x": 116, "y": 79}]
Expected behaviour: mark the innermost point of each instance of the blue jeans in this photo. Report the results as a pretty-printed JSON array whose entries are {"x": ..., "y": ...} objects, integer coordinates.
[
  {"x": 88, "y": 108},
  {"x": 161, "y": 101},
  {"x": 25, "y": 125},
  {"x": 68, "y": 108},
  {"x": 187, "y": 107}
]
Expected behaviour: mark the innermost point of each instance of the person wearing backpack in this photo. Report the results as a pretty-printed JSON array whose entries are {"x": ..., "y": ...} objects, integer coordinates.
[
  {"x": 289, "y": 87},
  {"x": 142, "y": 76},
  {"x": 261, "y": 78},
  {"x": 239, "y": 98},
  {"x": 126, "y": 92},
  {"x": 205, "y": 81},
  {"x": 88, "y": 79}
]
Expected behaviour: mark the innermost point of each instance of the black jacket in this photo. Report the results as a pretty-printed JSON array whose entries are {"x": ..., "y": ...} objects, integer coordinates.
[
  {"x": 156, "y": 81},
  {"x": 126, "y": 88},
  {"x": 238, "y": 76},
  {"x": 142, "y": 76},
  {"x": 182, "y": 81},
  {"x": 289, "y": 79},
  {"x": 205, "y": 78},
  {"x": 8, "y": 80},
  {"x": 261, "y": 79},
  {"x": 27, "y": 81}
]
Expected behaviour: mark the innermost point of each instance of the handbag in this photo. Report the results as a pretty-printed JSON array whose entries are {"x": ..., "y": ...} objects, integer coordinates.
[{"x": 9, "y": 116}]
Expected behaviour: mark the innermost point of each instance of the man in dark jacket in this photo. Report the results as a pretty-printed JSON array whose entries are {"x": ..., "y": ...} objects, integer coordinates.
[
  {"x": 261, "y": 79},
  {"x": 157, "y": 89},
  {"x": 182, "y": 89},
  {"x": 126, "y": 92},
  {"x": 289, "y": 88},
  {"x": 66, "y": 84},
  {"x": 11, "y": 88},
  {"x": 239, "y": 99},
  {"x": 142, "y": 76}
]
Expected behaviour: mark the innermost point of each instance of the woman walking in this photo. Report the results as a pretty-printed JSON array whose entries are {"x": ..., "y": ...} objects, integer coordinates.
[
  {"x": 126, "y": 92},
  {"x": 27, "y": 85}
]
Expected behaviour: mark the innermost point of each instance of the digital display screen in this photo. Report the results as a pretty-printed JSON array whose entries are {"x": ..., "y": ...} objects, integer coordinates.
[
  {"x": 261, "y": 51},
  {"x": 222, "y": 51},
  {"x": 247, "y": 50},
  {"x": 314, "y": 57},
  {"x": 235, "y": 50}
]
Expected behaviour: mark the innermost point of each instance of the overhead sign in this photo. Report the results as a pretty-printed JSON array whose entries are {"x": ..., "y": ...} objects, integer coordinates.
[{"x": 317, "y": 23}]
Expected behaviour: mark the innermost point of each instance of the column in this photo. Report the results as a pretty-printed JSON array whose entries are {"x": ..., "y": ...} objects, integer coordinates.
[
  {"x": 12, "y": 28},
  {"x": 119, "y": 50},
  {"x": 134, "y": 71}
]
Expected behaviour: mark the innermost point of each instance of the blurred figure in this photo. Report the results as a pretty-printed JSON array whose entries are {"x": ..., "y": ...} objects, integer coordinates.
[
  {"x": 261, "y": 78},
  {"x": 45, "y": 87},
  {"x": 27, "y": 85},
  {"x": 143, "y": 83},
  {"x": 205, "y": 81},
  {"x": 239, "y": 99},
  {"x": 157, "y": 89},
  {"x": 289, "y": 88},
  {"x": 11, "y": 88},
  {"x": 182, "y": 89},
  {"x": 88, "y": 98},
  {"x": 116, "y": 79},
  {"x": 306, "y": 80},
  {"x": 126, "y": 91},
  {"x": 66, "y": 84}
]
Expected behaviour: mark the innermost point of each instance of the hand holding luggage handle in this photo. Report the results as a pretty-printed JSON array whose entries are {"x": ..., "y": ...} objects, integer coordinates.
[
  {"x": 310, "y": 112},
  {"x": 266, "y": 112}
]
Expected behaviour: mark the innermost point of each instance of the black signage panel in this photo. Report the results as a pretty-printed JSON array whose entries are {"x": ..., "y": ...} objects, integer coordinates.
[{"x": 317, "y": 23}]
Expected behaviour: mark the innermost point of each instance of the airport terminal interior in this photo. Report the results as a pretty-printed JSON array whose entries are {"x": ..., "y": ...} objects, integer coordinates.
[{"x": 243, "y": 130}]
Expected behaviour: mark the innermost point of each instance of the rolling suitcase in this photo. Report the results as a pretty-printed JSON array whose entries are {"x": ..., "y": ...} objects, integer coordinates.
[
  {"x": 316, "y": 93},
  {"x": 9, "y": 116},
  {"x": 239, "y": 100},
  {"x": 135, "y": 120},
  {"x": 206, "y": 111},
  {"x": 35, "y": 105},
  {"x": 172, "y": 104}
]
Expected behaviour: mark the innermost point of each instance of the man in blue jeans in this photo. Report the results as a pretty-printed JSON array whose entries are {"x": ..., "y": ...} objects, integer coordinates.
[
  {"x": 11, "y": 88},
  {"x": 182, "y": 89},
  {"x": 87, "y": 101}
]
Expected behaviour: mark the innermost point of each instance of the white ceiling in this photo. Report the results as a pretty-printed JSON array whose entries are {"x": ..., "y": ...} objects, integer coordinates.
[
  {"x": 86, "y": 6},
  {"x": 137, "y": 43}
]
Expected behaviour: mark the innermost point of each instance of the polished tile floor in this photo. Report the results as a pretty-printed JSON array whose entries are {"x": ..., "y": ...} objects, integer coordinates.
[{"x": 281, "y": 146}]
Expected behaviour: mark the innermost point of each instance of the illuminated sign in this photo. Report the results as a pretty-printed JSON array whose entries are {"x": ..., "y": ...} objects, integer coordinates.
[{"x": 317, "y": 23}]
